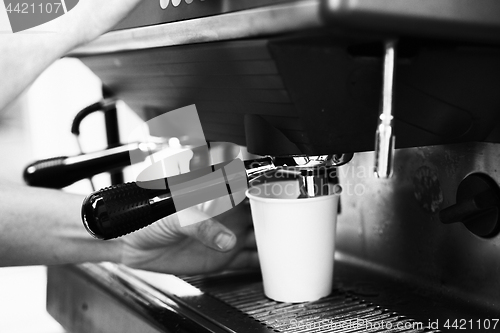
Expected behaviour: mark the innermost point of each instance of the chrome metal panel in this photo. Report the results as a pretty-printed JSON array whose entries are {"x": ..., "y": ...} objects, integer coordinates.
[
  {"x": 150, "y": 26},
  {"x": 392, "y": 225},
  {"x": 283, "y": 18},
  {"x": 457, "y": 19}
]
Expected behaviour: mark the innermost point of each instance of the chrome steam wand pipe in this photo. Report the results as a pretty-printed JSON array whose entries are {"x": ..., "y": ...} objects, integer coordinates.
[{"x": 384, "y": 139}]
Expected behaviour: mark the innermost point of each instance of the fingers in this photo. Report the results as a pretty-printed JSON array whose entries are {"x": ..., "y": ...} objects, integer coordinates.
[{"x": 212, "y": 234}]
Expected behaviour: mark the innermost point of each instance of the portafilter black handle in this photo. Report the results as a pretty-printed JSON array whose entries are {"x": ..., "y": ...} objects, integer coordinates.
[
  {"x": 50, "y": 173},
  {"x": 59, "y": 172},
  {"x": 121, "y": 209}
]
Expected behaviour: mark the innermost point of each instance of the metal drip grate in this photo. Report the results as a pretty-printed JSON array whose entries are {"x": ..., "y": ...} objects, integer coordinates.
[{"x": 339, "y": 312}]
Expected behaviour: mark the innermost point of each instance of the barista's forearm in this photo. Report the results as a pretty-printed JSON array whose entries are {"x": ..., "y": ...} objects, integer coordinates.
[
  {"x": 24, "y": 56},
  {"x": 43, "y": 227},
  {"x": 20, "y": 64}
]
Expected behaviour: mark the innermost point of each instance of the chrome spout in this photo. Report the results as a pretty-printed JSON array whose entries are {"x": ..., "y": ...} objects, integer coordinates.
[
  {"x": 384, "y": 137},
  {"x": 313, "y": 173}
]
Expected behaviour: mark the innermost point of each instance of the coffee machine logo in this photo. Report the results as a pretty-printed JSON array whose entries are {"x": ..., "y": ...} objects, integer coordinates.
[
  {"x": 210, "y": 177},
  {"x": 20, "y": 15}
]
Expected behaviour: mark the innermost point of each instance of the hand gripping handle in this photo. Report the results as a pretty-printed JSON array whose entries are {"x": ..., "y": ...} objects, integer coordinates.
[
  {"x": 118, "y": 210},
  {"x": 121, "y": 209}
]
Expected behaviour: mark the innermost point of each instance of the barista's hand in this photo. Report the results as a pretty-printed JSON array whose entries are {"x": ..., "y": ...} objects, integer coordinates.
[{"x": 167, "y": 247}]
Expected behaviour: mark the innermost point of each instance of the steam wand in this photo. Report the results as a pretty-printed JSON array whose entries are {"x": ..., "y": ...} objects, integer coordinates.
[{"x": 384, "y": 137}]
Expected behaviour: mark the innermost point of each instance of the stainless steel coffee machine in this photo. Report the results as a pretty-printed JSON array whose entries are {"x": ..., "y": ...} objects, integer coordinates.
[{"x": 410, "y": 87}]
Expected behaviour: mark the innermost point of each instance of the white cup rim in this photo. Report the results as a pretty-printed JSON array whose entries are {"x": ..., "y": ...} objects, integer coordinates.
[{"x": 288, "y": 200}]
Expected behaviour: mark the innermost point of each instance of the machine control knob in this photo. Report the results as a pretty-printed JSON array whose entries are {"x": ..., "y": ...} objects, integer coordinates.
[{"x": 477, "y": 206}]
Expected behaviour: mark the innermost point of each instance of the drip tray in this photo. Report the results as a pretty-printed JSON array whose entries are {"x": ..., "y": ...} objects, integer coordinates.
[
  {"x": 342, "y": 311},
  {"x": 86, "y": 297}
]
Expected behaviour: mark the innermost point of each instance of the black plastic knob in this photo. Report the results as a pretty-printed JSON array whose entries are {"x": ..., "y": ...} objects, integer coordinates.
[{"x": 477, "y": 206}]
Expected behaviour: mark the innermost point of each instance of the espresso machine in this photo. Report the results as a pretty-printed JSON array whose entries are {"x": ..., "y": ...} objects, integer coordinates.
[{"x": 403, "y": 97}]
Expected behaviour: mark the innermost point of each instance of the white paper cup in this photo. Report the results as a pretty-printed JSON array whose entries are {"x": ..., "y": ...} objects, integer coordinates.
[{"x": 295, "y": 241}]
